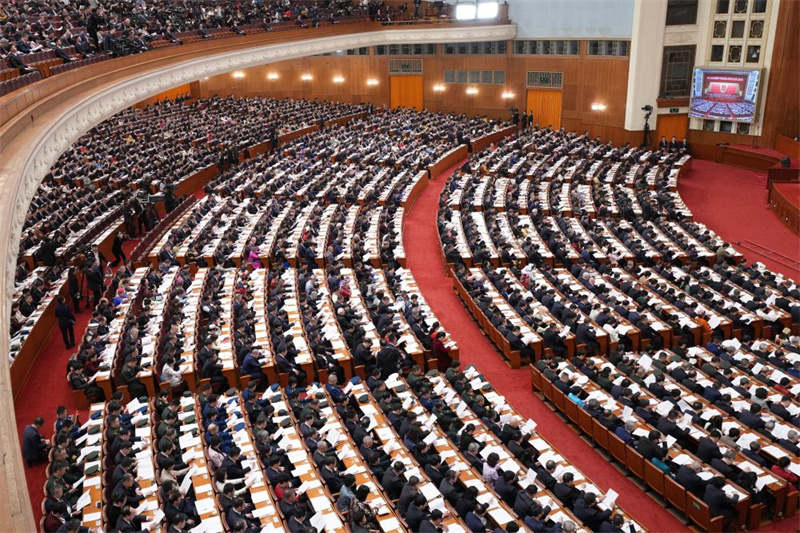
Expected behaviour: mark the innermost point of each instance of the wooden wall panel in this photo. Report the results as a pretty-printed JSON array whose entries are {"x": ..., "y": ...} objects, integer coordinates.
[
  {"x": 586, "y": 80},
  {"x": 782, "y": 107},
  {"x": 703, "y": 144},
  {"x": 671, "y": 125}
]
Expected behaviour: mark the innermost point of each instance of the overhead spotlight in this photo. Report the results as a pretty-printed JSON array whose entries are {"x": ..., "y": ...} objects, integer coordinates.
[
  {"x": 488, "y": 9},
  {"x": 372, "y": 82},
  {"x": 272, "y": 76},
  {"x": 439, "y": 88},
  {"x": 472, "y": 90},
  {"x": 507, "y": 95},
  {"x": 306, "y": 77},
  {"x": 338, "y": 79},
  {"x": 238, "y": 74},
  {"x": 466, "y": 10},
  {"x": 598, "y": 107}
]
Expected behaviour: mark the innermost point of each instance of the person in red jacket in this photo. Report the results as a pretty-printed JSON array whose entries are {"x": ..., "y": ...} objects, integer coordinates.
[
  {"x": 440, "y": 352},
  {"x": 781, "y": 469}
]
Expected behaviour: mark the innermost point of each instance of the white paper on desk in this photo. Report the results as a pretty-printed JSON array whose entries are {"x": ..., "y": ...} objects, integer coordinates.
[
  {"x": 500, "y": 515},
  {"x": 259, "y": 496},
  {"x": 627, "y": 412},
  {"x": 610, "y": 499},
  {"x": 794, "y": 468},
  {"x": 133, "y": 405},
  {"x": 670, "y": 441},
  {"x": 320, "y": 503},
  {"x": 683, "y": 405},
  {"x": 260, "y": 512},
  {"x": 430, "y": 491},
  {"x": 83, "y": 501},
  {"x": 188, "y": 456},
  {"x": 92, "y": 517},
  {"x": 455, "y": 528},
  {"x": 529, "y": 427},
  {"x": 390, "y": 524},
  {"x": 187, "y": 480},
  {"x": 318, "y": 521},
  {"x": 764, "y": 480}
]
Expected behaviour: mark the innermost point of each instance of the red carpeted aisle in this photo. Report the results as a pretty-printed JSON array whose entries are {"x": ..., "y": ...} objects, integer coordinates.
[
  {"x": 423, "y": 257},
  {"x": 45, "y": 389},
  {"x": 733, "y": 202}
]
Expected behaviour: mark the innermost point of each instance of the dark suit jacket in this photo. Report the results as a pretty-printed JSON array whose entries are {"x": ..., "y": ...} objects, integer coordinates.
[
  {"x": 690, "y": 481},
  {"x": 718, "y": 502}
]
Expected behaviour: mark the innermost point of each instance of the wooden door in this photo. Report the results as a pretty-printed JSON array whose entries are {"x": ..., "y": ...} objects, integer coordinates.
[
  {"x": 406, "y": 91},
  {"x": 546, "y": 107},
  {"x": 669, "y": 125}
]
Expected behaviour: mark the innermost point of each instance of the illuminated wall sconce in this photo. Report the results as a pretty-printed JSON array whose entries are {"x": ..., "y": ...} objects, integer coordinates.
[
  {"x": 472, "y": 90},
  {"x": 272, "y": 76},
  {"x": 338, "y": 79},
  {"x": 507, "y": 95},
  {"x": 306, "y": 77},
  {"x": 438, "y": 88},
  {"x": 372, "y": 82},
  {"x": 238, "y": 74},
  {"x": 598, "y": 107}
]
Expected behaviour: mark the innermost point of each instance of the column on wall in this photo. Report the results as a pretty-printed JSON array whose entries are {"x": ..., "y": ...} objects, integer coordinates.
[{"x": 644, "y": 70}]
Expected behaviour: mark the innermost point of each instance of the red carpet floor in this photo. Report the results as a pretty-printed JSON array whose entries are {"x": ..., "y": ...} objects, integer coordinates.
[
  {"x": 733, "y": 202},
  {"x": 423, "y": 257}
]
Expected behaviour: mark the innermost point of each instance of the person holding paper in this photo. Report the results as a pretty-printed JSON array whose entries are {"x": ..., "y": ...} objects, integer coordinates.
[
  {"x": 56, "y": 479},
  {"x": 687, "y": 476},
  {"x": 417, "y": 512},
  {"x": 178, "y": 524},
  {"x": 129, "y": 488},
  {"x": 34, "y": 447},
  {"x": 653, "y": 449},
  {"x": 476, "y": 520},
  {"x": 358, "y": 505},
  {"x": 720, "y": 504},
  {"x": 129, "y": 521},
  {"x": 586, "y": 511},
  {"x": 614, "y": 525},
  {"x": 238, "y": 514}
]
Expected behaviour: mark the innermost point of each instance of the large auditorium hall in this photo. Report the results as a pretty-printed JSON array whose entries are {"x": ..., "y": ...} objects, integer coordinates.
[{"x": 400, "y": 266}]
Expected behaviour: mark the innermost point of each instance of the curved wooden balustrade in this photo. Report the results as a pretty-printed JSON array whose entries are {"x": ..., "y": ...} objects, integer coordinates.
[{"x": 786, "y": 207}]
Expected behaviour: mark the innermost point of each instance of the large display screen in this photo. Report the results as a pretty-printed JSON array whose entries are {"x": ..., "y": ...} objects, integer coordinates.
[{"x": 725, "y": 94}]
